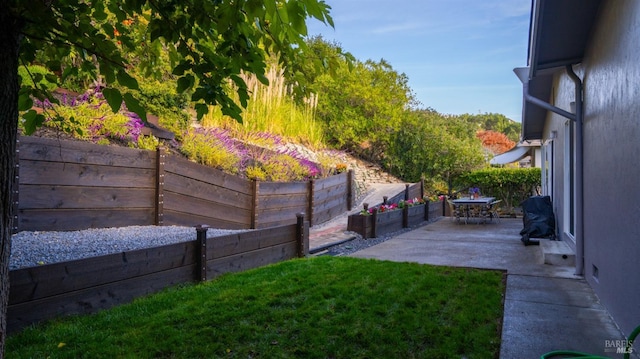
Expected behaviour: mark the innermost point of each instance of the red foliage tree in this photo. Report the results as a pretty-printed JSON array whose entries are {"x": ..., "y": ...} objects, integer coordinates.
[{"x": 495, "y": 142}]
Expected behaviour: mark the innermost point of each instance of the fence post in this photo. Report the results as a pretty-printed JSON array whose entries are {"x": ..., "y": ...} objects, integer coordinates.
[
  {"x": 365, "y": 208},
  {"x": 160, "y": 161},
  {"x": 422, "y": 187},
  {"x": 385, "y": 199},
  {"x": 349, "y": 190},
  {"x": 406, "y": 192},
  {"x": 16, "y": 189},
  {"x": 312, "y": 189},
  {"x": 405, "y": 216},
  {"x": 302, "y": 237},
  {"x": 374, "y": 218},
  {"x": 444, "y": 207},
  {"x": 255, "y": 189},
  {"x": 201, "y": 242},
  {"x": 427, "y": 207}
]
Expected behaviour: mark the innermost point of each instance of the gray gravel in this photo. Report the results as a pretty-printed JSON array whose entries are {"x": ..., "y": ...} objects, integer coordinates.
[
  {"x": 359, "y": 243},
  {"x": 29, "y": 249}
]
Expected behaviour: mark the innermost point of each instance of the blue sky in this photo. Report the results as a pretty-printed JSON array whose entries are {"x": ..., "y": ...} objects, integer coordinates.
[{"x": 459, "y": 55}]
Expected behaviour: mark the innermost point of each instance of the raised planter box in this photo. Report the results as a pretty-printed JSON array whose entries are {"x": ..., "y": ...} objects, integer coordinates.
[
  {"x": 417, "y": 214},
  {"x": 377, "y": 224},
  {"x": 387, "y": 222},
  {"x": 361, "y": 224}
]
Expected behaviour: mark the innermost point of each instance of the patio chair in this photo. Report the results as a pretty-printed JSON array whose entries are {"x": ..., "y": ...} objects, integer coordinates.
[
  {"x": 456, "y": 211},
  {"x": 479, "y": 212},
  {"x": 492, "y": 210}
]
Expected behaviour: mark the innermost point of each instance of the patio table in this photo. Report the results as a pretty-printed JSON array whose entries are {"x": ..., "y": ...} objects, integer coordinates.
[{"x": 470, "y": 204}]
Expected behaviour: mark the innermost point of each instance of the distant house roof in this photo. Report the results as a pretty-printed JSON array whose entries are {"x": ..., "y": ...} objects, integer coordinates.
[
  {"x": 558, "y": 36},
  {"x": 518, "y": 152},
  {"x": 513, "y": 155}
]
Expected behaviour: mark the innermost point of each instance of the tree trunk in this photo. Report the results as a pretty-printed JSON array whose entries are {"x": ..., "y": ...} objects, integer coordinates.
[{"x": 9, "y": 43}]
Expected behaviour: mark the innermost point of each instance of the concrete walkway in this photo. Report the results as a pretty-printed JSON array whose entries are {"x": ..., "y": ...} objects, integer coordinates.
[{"x": 546, "y": 307}]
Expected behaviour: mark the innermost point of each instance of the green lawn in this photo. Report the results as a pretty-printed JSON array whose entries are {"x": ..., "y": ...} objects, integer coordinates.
[{"x": 323, "y": 307}]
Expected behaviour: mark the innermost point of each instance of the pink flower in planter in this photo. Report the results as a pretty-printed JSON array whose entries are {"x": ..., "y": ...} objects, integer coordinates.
[{"x": 387, "y": 207}]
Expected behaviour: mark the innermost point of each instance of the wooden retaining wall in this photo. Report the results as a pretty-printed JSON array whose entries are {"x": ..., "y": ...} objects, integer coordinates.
[
  {"x": 89, "y": 285},
  {"x": 66, "y": 185},
  {"x": 71, "y": 185}
]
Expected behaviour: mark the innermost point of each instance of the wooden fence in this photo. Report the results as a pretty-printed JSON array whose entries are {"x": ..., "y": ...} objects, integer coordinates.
[
  {"x": 89, "y": 285},
  {"x": 70, "y": 185}
]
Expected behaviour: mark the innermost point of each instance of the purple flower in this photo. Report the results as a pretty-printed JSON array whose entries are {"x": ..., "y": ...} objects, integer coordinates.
[{"x": 134, "y": 126}]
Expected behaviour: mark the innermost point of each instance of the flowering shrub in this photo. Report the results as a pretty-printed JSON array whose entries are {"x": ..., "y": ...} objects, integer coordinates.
[
  {"x": 411, "y": 202},
  {"x": 213, "y": 148},
  {"x": 88, "y": 117},
  {"x": 263, "y": 139},
  {"x": 279, "y": 161},
  {"x": 331, "y": 162},
  {"x": 282, "y": 168},
  {"x": 391, "y": 207},
  {"x": 381, "y": 209}
]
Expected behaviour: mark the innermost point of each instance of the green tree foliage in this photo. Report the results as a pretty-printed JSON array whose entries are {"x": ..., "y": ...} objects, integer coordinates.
[
  {"x": 207, "y": 43},
  {"x": 435, "y": 146},
  {"x": 331, "y": 53},
  {"x": 37, "y": 76},
  {"x": 494, "y": 122},
  {"x": 362, "y": 105}
]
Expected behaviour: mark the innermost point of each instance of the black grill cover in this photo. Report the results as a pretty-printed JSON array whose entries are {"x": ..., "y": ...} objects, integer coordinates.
[{"x": 538, "y": 219}]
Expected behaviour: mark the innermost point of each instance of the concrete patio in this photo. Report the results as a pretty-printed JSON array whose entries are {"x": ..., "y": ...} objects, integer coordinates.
[{"x": 546, "y": 307}]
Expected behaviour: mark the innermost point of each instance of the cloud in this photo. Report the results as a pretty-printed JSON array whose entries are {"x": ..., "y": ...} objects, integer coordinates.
[
  {"x": 399, "y": 27},
  {"x": 511, "y": 8}
]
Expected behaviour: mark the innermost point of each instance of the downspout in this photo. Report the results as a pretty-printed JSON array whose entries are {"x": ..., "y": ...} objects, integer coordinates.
[
  {"x": 547, "y": 106},
  {"x": 579, "y": 172},
  {"x": 578, "y": 119}
]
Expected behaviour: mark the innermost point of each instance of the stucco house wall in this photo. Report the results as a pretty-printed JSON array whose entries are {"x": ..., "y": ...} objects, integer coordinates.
[{"x": 611, "y": 76}]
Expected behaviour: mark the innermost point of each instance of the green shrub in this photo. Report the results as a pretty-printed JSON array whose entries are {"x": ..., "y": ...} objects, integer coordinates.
[
  {"x": 148, "y": 143},
  {"x": 162, "y": 99},
  {"x": 284, "y": 168},
  {"x": 331, "y": 162},
  {"x": 512, "y": 185},
  {"x": 93, "y": 120},
  {"x": 208, "y": 150},
  {"x": 36, "y": 74},
  {"x": 256, "y": 173}
]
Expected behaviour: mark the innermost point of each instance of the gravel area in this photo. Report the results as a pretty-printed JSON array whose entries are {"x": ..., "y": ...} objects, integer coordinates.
[
  {"x": 29, "y": 249},
  {"x": 360, "y": 243}
]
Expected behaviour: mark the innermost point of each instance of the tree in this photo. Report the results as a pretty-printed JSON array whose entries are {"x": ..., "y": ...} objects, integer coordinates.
[
  {"x": 432, "y": 145},
  {"x": 207, "y": 43},
  {"x": 496, "y": 142},
  {"x": 494, "y": 122},
  {"x": 362, "y": 105}
]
